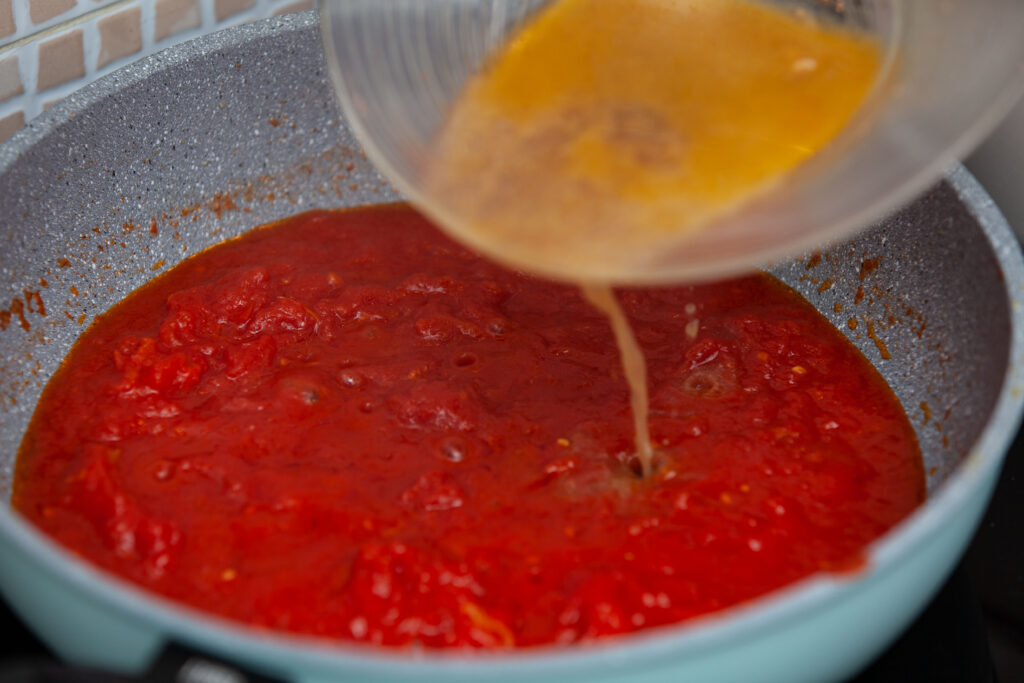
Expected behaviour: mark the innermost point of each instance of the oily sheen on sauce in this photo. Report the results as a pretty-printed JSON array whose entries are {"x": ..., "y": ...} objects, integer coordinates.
[{"x": 347, "y": 425}]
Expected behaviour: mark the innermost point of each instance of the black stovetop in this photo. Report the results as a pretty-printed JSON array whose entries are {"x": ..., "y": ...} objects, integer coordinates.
[{"x": 973, "y": 631}]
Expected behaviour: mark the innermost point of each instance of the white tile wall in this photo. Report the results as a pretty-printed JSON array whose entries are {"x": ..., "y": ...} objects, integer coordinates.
[{"x": 42, "y": 62}]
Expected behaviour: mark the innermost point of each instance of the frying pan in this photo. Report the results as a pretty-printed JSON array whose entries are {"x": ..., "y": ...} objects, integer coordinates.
[{"x": 201, "y": 142}]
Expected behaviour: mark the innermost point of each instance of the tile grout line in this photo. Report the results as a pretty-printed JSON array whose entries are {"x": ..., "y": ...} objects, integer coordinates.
[
  {"x": 30, "y": 54},
  {"x": 90, "y": 48},
  {"x": 22, "y": 20},
  {"x": 26, "y": 72},
  {"x": 147, "y": 26},
  {"x": 207, "y": 16}
]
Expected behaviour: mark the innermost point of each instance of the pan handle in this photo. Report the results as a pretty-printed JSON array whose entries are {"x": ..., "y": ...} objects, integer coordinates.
[
  {"x": 176, "y": 664},
  {"x": 49, "y": 671}
]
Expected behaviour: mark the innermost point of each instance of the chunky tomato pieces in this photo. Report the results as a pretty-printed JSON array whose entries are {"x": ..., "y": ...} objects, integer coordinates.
[{"x": 346, "y": 425}]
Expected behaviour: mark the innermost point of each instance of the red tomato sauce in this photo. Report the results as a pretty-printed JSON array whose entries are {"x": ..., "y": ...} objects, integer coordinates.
[{"x": 346, "y": 425}]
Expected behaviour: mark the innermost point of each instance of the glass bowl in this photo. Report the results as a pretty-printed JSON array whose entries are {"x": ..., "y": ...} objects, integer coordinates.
[{"x": 951, "y": 71}]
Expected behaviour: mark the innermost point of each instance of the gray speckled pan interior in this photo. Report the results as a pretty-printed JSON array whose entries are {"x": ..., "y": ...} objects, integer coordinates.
[{"x": 164, "y": 158}]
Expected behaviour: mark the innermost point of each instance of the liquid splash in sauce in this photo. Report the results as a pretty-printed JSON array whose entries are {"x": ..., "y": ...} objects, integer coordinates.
[{"x": 608, "y": 129}]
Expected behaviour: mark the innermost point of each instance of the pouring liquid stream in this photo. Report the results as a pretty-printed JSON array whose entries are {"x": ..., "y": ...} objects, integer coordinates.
[
  {"x": 634, "y": 367},
  {"x": 607, "y": 130}
]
